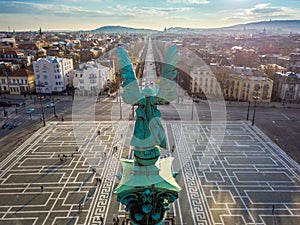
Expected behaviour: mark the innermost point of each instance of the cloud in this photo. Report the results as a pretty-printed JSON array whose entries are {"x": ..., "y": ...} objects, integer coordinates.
[
  {"x": 149, "y": 11},
  {"x": 14, "y": 7},
  {"x": 262, "y": 12},
  {"x": 198, "y": 2}
]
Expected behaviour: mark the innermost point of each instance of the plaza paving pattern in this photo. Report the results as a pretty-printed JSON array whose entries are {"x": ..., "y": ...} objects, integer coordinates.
[{"x": 234, "y": 182}]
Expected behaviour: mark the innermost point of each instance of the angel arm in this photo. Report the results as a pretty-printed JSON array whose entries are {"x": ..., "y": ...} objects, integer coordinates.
[
  {"x": 131, "y": 93},
  {"x": 167, "y": 85}
]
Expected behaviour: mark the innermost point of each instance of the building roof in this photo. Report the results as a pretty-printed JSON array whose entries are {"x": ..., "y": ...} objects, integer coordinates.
[
  {"x": 28, "y": 46},
  {"x": 18, "y": 73}
]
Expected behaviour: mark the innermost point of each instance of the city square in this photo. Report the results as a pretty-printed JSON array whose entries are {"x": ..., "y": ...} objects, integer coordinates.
[{"x": 66, "y": 172}]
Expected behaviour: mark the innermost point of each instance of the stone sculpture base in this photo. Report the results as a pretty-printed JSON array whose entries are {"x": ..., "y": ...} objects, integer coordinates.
[{"x": 147, "y": 191}]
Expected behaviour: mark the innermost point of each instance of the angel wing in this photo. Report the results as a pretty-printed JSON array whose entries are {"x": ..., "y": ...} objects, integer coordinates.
[
  {"x": 131, "y": 93},
  {"x": 167, "y": 85}
]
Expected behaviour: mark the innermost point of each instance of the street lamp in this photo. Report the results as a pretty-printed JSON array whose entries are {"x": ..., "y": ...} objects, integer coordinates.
[
  {"x": 119, "y": 96},
  {"x": 192, "y": 117},
  {"x": 43, "y": 115},
  {"x": 255, "y": 97},
  {"x": 54, "y": 112},
  {"x": 248, "y": 110}
]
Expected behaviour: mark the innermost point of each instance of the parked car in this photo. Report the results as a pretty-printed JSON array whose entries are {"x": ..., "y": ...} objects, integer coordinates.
[
  {"x": 50, "y": 105},
  {"x": 29, "y": 110},
  {"x": 13, "y": 125},
  {"x": 6, "y": 124}
]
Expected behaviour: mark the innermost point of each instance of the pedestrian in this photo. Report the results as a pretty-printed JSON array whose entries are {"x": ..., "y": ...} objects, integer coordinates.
[
  {"x": 101, "y": 220},
  {"x": 173, "y": 147},
  {"x": 273, "y": 209},
  {"x": 99, "y": 132},
  {"x": 58, "y": 156},
  {"x": 100, "y": 181},
  {"x": 117, "y": 219},
  {"x": 72, "y": 155},
  {"x": 104, "y": 154},
  {"x": 42, "y": 188},
  {"x": 79, "y": 207},
  {"x": 62, "y": 119},
  {"x": 124, "y": 222},
  {"x": 121, "y": 135}
]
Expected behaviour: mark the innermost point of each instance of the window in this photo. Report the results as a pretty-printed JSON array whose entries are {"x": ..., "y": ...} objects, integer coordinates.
[{"x": 256, "y": 87}]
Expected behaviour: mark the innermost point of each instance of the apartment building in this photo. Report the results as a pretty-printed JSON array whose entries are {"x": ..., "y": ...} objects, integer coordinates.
[
  {"x": 204, "y": 83},
  {"x": 244, "y": 84},
  {"x": 52, "y": 74},
  {"x": 18, "y": 81},
  {"x": 287, "y": 87},
  {"x": 90, "y": 78}
]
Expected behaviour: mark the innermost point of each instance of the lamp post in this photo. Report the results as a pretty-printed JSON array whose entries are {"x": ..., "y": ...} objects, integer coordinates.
[
  {"x": 248, "y": 110},
  {"x": 255, "y": 97},
  {"x": 119, "y": 95},
  {"x": 192, "y": 117},
  {"x": 54, "y": 111},
  {"x": 43, "y": 115}
]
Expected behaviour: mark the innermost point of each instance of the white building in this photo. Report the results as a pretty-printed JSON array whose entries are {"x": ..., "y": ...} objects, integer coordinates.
[
  {"x": 52, "y": 74},
  {"x": 203, "y": 82},
  {"x": 90, "y": 78}
]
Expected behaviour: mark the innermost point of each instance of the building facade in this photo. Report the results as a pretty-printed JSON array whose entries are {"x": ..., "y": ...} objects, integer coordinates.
[
  {"x": 90, "y": 78},
  {"x": 287, "y": 87},
  {"x": 204, "y": 83},
  {"x": 244, "y": 84},
  {"x": 52, "y": 74},
  {"x": 19, "y": 81}
]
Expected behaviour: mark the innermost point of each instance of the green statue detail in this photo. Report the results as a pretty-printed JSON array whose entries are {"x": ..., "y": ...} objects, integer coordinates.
[{"x": 147, "y": 188}]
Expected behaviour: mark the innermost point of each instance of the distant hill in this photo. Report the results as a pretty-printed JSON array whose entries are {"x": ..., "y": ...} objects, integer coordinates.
[
  {"x": 276, "y": 26},
  {"x": 120, "y": 29}
]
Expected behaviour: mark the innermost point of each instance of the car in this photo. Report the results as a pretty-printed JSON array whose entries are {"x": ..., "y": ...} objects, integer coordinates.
[
  {"x": 29, "y": 110},
  {"x": 13, "y": 125},
  {"x": 6, "y": 124},
  {"x": 196, "y": 100},
  {"x": 50, "y": 105}
]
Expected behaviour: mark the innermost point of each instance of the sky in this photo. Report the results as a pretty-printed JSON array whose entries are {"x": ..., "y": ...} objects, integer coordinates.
[{"x": 24, "y": 15}]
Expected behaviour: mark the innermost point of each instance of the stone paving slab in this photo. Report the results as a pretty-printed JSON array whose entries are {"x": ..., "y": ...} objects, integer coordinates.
[{"x": 234, "y": 181}]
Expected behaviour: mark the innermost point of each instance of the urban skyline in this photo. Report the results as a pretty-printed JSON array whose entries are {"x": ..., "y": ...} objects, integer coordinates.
[{"x": 22, "y": 15}]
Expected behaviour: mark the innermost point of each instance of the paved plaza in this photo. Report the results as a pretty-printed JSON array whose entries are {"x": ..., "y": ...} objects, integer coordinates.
[{"x": 65, "y": 173}]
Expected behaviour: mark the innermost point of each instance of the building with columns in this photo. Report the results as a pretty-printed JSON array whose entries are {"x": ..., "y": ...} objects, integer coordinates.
[{"x": 244, "y": 84}]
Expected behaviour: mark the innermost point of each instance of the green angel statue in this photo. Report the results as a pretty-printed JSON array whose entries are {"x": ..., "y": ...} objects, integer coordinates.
[{"x": 148, "y": 130}]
